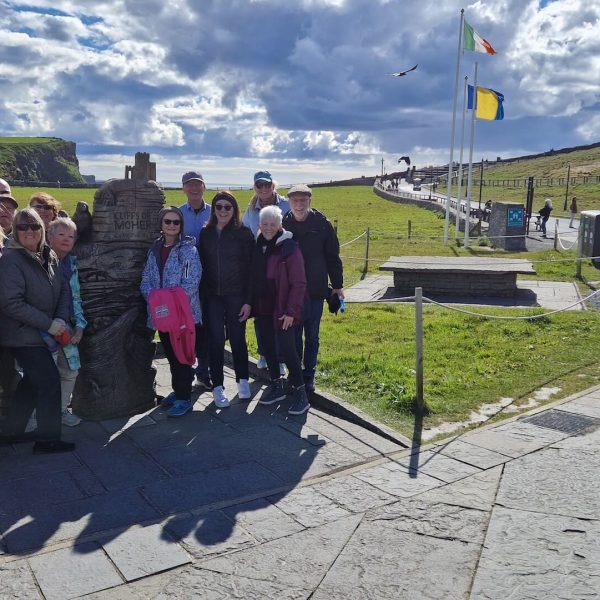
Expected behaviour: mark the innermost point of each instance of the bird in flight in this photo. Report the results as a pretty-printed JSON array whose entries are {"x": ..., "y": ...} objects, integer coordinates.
[
  {"x": 406, "y": 159},
  {"x": 403, "y": 73}
]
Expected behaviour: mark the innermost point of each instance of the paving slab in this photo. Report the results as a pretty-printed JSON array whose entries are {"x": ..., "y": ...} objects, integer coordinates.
[
  {"x": 209, "y": 534},
  {"x": 353, "y": 494},
  {"x": 298, "y": 561},
  {"x": 538, "y": 557},
  {"x": 471, "y": 454},
  {"x": 398, "y": 480},
  {"x": 531, "y": 483},
  {"x": 478, "y": 491},
  {"x": 143, "y": 551},
  {"x": 435, "y": 464},
  {"x": 59, "y": 579},
  {"x": 17, "y": 581}
]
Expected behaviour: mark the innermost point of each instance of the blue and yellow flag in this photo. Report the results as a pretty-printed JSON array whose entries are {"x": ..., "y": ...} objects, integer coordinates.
[{"x": 489, "y": 104}]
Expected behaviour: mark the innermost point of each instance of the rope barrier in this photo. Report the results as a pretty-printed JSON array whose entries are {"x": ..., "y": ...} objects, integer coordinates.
[
  {"x": 476, "y": 314},
  {"x": 500, "y": 261},
  {"x": 356, "y": 238},
  {"x": 561, "y": 244}
]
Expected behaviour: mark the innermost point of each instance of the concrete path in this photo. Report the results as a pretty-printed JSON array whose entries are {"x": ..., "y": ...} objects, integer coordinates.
[
  {"x": 248, "y": 503},
  {"x": 553, "y": 295}
]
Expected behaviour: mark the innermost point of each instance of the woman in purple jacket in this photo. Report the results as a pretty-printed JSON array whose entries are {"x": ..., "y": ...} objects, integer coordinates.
[{"x": 279, "y": 287}]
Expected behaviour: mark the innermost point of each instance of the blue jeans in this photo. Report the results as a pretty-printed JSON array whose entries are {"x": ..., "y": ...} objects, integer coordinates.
[
  {"x": 308, "y": 349},
  {"x": 40, "y": 390}
]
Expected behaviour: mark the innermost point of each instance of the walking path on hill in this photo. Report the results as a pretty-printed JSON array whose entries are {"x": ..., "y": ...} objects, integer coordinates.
[{"x": 250, "y": 503}]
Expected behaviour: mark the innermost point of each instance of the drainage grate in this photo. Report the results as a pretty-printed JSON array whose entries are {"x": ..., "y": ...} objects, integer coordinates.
[{"x": 566, "y": 422}]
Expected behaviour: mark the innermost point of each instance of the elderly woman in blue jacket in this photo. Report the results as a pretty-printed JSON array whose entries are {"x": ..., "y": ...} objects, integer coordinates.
[{"x": 173, "y": 262}]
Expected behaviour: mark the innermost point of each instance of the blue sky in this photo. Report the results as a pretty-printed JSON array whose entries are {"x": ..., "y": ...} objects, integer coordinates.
[{"x": 302, "y": 89}]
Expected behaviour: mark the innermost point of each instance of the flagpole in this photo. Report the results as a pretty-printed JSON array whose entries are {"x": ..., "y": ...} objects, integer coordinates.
[
  {"x": 470, "y": 177},
  {"x": 460, "y": 162},
  {"x": 454, "y": 103}
]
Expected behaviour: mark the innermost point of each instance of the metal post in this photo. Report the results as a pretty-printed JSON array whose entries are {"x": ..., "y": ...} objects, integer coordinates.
[
  {"x": 480, "y": 190},
  {"x": 420, "y": 405},
  {"x": 409, "y": 229},
  {"x": 367, "y": 251},
  {"x": 556, "y": 234},
  {"x": 567, "y": 190}
]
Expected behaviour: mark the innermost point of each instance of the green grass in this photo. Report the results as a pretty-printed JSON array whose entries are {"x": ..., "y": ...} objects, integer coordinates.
[
  {"x": 27, "y": 140},
  {"x": 367, "y": 354}
]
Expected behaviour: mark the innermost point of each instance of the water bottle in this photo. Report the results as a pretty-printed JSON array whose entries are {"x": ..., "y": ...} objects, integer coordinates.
[{"x": 342, "y": 305}]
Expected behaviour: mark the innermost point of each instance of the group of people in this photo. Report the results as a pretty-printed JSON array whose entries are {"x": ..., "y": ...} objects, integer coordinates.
[{"x": 277, "y": 263}]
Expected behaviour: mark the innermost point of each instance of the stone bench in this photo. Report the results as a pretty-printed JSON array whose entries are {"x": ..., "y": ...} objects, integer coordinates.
[{"x": 457, "y": 276}]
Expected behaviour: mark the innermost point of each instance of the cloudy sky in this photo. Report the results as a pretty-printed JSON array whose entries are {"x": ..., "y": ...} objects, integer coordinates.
[{"x": 301, "y": 87}]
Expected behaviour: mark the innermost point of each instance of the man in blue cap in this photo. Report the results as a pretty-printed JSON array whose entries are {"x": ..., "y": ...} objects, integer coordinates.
[{"x": 195, "y": 214}]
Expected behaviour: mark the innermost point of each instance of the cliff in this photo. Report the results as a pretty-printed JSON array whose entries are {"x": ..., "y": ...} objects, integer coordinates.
[{"x": 39, "y": 160}]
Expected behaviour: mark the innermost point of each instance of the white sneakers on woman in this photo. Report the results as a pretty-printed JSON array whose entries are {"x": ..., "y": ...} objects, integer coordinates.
[{"x": 221, "y": 400}]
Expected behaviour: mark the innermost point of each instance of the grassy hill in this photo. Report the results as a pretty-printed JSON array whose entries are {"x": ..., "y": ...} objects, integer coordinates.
[{"x": 39, "y": 159}]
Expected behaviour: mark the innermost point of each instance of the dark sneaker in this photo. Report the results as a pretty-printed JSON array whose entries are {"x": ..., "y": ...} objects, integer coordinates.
[
  {"x": 300, "y": 403},
  {"x": 276, "y": 391},
  {"x": 309, "y": 383},
  {"x": 204, "y": 383},
  {"x": 179, "y": 408},
  {"x": 53, "y": 447},
  {"x": 168, "y": 401}
]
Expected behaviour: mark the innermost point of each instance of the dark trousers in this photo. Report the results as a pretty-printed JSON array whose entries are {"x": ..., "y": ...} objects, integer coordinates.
[
  {"x": 221, "y": 312},
  {"x": 9, "y": 378},
  {"x": 182, "y": 376},
  {"x": 202, "y": 349},
  {"x": 284, "y": 342},
  {"x": 543, "y": 224},
  {"x": 308, "y": 349},
  {"x": 39, "y": 389}
]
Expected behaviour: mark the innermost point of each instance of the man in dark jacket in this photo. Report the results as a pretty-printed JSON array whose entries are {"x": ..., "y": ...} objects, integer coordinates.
[{"x": 321, "y": 251}]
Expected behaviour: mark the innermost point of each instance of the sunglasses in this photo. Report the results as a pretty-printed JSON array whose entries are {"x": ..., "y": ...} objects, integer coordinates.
[
  {"x": 260, "y": 185},
  {"x": 172, "y": 221},
  {"x": 26, "y": 226},
  {"x": 42, "y": 207},
  {"x": 225, "y": 207}
]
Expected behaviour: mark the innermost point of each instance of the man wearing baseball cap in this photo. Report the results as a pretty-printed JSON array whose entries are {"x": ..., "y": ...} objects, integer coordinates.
[
  {"x": 196, "y": 213},
  {"x": 8, "y": 208},
  {"x": 321, "y": 251}
]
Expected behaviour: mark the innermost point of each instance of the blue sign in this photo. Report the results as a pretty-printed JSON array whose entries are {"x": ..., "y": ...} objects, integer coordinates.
[{"x": 515, "y": 216}]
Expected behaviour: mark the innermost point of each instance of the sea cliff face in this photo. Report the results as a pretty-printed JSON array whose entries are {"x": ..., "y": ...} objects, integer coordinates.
[{"x": 39, "y": 160}]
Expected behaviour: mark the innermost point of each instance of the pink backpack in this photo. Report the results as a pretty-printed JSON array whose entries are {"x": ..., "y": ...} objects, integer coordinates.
[{"x": 171, "y": 313}]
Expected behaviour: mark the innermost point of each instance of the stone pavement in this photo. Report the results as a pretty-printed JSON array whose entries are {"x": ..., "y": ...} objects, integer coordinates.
[{"x": 249, "y": 503}]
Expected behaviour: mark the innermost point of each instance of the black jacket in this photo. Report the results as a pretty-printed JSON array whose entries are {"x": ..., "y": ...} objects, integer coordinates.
[
  {"x": 226, "y": 261},
  {"x": 321, "y": 251}
]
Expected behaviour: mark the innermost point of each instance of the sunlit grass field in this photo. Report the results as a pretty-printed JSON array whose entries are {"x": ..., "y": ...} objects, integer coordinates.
[{"x": 367, "y": 355}]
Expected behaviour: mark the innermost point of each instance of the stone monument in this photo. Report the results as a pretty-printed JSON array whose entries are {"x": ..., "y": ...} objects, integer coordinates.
[
  {"x": 117, "y": 377},
  {"x": 507, "y": 227}
]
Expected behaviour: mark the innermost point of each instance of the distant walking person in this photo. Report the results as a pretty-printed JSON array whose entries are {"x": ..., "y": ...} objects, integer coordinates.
[
  {"x": 321, "y": 251},
  {"x": 196, "y": 213},
  {"x": 545, "y": 214},
  {"x": 573, "y": 211}
]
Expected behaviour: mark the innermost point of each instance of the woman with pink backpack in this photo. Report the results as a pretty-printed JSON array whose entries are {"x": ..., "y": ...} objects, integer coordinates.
[{"x": 170, "y": 284}]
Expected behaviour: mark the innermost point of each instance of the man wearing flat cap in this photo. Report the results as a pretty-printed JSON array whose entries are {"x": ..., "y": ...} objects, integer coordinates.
[
  {"x": 321, "y": 251},
  {"x": 196, "y": 213}
]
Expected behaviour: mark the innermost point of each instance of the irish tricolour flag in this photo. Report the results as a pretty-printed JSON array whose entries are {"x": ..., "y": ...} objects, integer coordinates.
[{"x": 473, "y": 41}]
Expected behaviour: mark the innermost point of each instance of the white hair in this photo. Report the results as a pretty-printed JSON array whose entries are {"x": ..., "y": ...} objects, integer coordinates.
[{"x": 273, "y": 212}]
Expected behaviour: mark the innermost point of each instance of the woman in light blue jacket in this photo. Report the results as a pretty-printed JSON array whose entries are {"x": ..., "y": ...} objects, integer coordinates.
[{"x": 173, "y": 262}]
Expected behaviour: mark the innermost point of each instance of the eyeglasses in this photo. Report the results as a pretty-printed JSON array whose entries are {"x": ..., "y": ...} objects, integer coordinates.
[
  {"x": 260, "y": 185},
  {"x": 42, "y": 207},
  {"x": 225, "y": 207},
  {"x": 172, "y": 221},
  {"x": 26, "y": 226}
]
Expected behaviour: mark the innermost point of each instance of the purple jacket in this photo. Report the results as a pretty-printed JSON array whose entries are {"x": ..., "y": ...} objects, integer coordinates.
[{"x": 284, "y": 269}]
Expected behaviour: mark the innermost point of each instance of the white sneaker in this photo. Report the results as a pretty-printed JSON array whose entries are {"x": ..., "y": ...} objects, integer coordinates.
[
  {"x": 69, "y": 419},
  {"x": 31, "y": 424},
  {"x": 282, "y": 370},
  {"x": 244, "y": 389},
  {"x": 261, "y": 363},
  {"x": 221, "y": 400}
]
